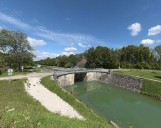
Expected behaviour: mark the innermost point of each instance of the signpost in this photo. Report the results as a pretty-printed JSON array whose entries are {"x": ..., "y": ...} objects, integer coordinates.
[
  {"x": 10, "y": 71},
  {"x": 22, "y": 68}
]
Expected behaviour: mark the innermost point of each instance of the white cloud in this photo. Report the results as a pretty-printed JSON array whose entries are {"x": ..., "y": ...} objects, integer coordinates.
[
  {"x": 147, "y": 41},
  {"x": 34, "y": 42},
  {"x": 1, "y": 27},
  {"x": 43, "y": 55},
  {"x": 66, "y": 37},
  {"x": 13, "y": 21},
  {"x": 154, "y": 30},
  {"x": 70, "y": 49},
  {"x": 158, "y": 41},
  {"x": 67, "y": 53},
  {"x": 83, "y": 45},
  {"x": 1, "y": 51},
  {"x": 135, "y": 28},
  {"x": 43, "y": 32}
]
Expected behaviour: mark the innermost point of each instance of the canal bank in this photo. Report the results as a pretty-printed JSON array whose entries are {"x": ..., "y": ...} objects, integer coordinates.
[
  {"x": 136, "y": 84},
  {"x": 115, "y": 80},
  {"x": 122, "y": 106}
]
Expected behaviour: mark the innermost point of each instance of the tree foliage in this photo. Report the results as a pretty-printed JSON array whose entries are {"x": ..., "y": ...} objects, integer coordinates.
[
  {"x": 158, "y": 51},
  {"x": 15, "y": 49},
  {"x": 131, "y": 56}
]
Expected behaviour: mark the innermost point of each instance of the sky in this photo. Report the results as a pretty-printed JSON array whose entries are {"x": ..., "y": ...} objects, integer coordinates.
[{"x": 64, "y": 27}]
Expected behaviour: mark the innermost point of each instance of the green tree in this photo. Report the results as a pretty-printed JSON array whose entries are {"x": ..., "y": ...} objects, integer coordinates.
[
  {"x": 90, "y": 56},
  {"x": 158, "y": 51},
  {"x": 136, "y": 57},
  {"x": 61, "y": 61},
  {"x": 72, "y": 60},
  {"x": 101, "y": 57},
  {"x": 15, "y": 48}
]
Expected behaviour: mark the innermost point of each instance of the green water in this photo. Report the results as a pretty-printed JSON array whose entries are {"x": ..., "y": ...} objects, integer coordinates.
[{"x": 123, "y": 107}]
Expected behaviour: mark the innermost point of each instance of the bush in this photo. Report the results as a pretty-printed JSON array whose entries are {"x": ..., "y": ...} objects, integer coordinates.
[{"x": 2, "y": 70}]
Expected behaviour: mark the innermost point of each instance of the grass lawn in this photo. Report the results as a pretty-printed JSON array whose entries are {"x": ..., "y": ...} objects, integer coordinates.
[
  {"x": 91, "y": 117},
  {"x": 28, "y": 113},
  {"x": 151, "y": 74}
]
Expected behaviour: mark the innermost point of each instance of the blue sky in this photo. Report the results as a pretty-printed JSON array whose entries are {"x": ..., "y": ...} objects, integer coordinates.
[{"x": 64, "y": 27}]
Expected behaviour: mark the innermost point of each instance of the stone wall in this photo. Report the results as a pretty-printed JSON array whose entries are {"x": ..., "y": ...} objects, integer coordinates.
[{"x": 127, "y": 82}]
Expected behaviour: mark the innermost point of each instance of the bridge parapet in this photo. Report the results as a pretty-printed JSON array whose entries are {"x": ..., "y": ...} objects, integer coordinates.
[
  {"x": 70, "y": 76},
  {"x": 79, "y": 70}
]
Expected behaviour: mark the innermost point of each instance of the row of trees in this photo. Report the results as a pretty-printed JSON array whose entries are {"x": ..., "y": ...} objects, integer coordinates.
[
  {"x": 15, "y": 50},
  {"x": 139, "y": 57},
  {"x": 61, "y": 61}
]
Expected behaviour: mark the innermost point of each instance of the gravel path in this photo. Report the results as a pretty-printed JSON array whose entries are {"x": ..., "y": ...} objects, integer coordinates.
[{"x": 49, "y": 100}]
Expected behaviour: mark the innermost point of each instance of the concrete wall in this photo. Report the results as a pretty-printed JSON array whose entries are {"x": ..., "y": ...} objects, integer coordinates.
[
  {"x": 66, "y": 80},
  {"x": 91, "y": 76},
  {"x": 70, "y": 79}
]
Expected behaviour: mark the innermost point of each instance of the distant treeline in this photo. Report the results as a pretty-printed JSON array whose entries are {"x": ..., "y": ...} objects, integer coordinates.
[{"x": 131, "y": 56}]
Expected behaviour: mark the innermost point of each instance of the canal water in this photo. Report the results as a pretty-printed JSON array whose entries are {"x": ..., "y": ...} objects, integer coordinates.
[{"x": 126, "y": 109}]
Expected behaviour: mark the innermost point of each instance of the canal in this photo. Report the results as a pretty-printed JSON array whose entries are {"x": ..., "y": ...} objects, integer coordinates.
[{"x": 126, "y": 109}]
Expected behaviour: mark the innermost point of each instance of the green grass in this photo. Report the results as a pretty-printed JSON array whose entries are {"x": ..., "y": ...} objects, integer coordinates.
[
  {"x": 151, "y": 88},
  {"x": 151, "y": 74},
  {"x": 91, "y": 117},
  {"x": 29, "y": 113}
]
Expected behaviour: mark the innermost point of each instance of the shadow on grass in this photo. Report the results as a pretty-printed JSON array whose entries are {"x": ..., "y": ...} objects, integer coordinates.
[{"x": 158, "y": 77}]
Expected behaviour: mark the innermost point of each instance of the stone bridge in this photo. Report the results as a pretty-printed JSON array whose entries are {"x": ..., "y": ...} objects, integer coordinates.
[{"x": 70, "y": 76}]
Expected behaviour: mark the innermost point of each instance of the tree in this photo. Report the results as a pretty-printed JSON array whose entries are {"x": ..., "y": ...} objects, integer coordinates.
[
  {"x": 16, "y": 48},
  {"x": 90, "y": 55},
  {"x": 61, "y": 61},
  {"x": 101, "y": 57},
  {"x": 136, "y": 57},
  {"x": 158, "y": 51},
  {"x": 72, "y": 60}
]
